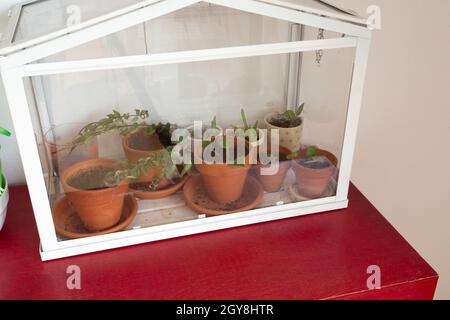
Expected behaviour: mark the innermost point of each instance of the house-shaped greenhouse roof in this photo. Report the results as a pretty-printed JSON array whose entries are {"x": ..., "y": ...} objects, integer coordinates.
[{"x": 35, "y": 23}]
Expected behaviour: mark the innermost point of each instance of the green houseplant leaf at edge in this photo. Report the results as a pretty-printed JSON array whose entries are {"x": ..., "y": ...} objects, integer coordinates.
[{"x": 4, "y": 132}]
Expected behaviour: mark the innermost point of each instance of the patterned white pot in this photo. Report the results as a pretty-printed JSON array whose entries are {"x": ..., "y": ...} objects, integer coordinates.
[
  {"x": 4, "y": 198},
  {"x": 290, "y": 138}
]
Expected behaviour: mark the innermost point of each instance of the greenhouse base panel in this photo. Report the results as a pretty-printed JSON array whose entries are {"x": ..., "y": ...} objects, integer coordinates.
[{"x": 187, "y": 228}]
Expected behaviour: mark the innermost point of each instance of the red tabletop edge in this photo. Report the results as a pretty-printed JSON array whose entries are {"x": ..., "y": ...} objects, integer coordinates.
[{"x": 323, "y": 256}]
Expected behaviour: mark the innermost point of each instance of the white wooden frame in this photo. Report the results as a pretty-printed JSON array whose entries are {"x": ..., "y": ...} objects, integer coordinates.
[{"x": 16, "y": 66}]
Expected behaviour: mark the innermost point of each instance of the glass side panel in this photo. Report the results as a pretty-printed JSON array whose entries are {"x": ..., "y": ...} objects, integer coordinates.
[
  {"x": 97, "y": 162},
  {"x": 46, "y": 16},
  {"x": 196, "y": 27},
  {"x": 331, "y": 8}
]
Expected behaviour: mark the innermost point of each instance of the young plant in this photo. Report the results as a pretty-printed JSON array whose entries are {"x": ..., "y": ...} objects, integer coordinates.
[
  {"x": 293, "y": 115},
  {"x": 2, "y": 181},
  {"x": 126, "y": 123},
  {"x": 289, "y": 119},
  {"x": 250, "y": 131},
  {"x": 311, "y": 152},
  {"x": 214, "y": 125}
]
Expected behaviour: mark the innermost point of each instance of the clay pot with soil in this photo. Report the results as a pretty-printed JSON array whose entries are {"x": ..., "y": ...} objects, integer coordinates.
[
  {"x": 272, "y": 181},
  {"x": 225, "y": 182},
  {"x": 98, "y": 203},
  {"x": 289, "y": 125},
  {"x": 141, "y": 145},
  {"x": 313, "y": 172}
]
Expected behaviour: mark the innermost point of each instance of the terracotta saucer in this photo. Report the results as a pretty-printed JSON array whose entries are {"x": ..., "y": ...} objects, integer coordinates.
[
  {"x": 196, "y": 198},
  {"x": 69, "y": 225},
  {"x": 296, "y": 196},
  {"x": 159, "y": 194}
]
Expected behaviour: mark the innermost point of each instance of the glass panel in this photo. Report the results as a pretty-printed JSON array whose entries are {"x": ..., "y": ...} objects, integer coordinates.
[
  {"x": 196, "y": 27},
  {"x": 88, "y": 193},
  {"x": 331, "y": 8},
  {"x": 46, "y": 16},
  {"x": 210, "y": 26}
]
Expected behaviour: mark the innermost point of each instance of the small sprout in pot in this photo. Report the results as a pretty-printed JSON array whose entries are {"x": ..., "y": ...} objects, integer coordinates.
[
  {"x": 288, "y": 119},
  {"x": 250, "y": 131},
  {"x": 310, "y": 153}
]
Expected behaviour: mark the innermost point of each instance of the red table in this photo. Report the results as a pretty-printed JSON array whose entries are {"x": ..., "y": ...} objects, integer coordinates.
[{"x": 323, "y": 256}]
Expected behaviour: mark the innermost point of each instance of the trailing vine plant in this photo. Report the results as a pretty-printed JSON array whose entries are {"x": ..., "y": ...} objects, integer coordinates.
[
  {"x": 126, "y": 123},
  {"x": 132, "y": 170}
]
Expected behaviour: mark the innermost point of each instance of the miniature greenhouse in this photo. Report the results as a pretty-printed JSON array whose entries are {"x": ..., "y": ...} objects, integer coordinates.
[{"x": 116, "y": 103}]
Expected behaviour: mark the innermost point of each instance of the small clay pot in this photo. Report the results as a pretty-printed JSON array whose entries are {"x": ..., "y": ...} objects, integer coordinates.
[
  {"x": 290, "y": 138},
  {"x": 320, "y": 153},
  {"x": 134, "y": 155},
  {"x": 273, "y": 183},
  {"x": 312, "y": 182},
  {"x": 224, "y": 183},
  {"x": 98, "y": 209}
]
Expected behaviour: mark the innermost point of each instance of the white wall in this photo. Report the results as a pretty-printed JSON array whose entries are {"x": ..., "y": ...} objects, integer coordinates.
[
  {"x": 9, "y": 153},
  {"x": 401, "y": 161},
  {"x": 403, "y": 150}
]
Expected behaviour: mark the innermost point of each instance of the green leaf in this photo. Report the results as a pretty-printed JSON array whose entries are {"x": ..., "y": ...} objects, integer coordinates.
[
  {"x": 311, "y": 152},
  {"x": 252, "y": 135},
  {"x": 299, "y": 110},
  {"x": 293, "y": 155},
  {"x": 244, "y": 119},
  {"x": 5, "y": 132},
  {"x": 214, "y": 123},
  {"x": 291, "y": 115}
]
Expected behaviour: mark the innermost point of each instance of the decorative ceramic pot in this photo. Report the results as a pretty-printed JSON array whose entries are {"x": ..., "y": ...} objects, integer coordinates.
[{"x": 290, "y": 138}]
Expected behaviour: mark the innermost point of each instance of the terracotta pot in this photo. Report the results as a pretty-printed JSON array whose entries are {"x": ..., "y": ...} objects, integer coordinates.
[
  {"x": 224, "y": 183},
  {"x": 197, "y": 198},
  {"x": 68, "y": 223},
  {"x": 273, "y": 183},
  {"x": 134, "y": 155},
  {"x": 290, "y": 138},
  {"x": 320, "y": 152},
  {"x": 312, "y": 183},
  {"x": 97, "y": 209}
]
